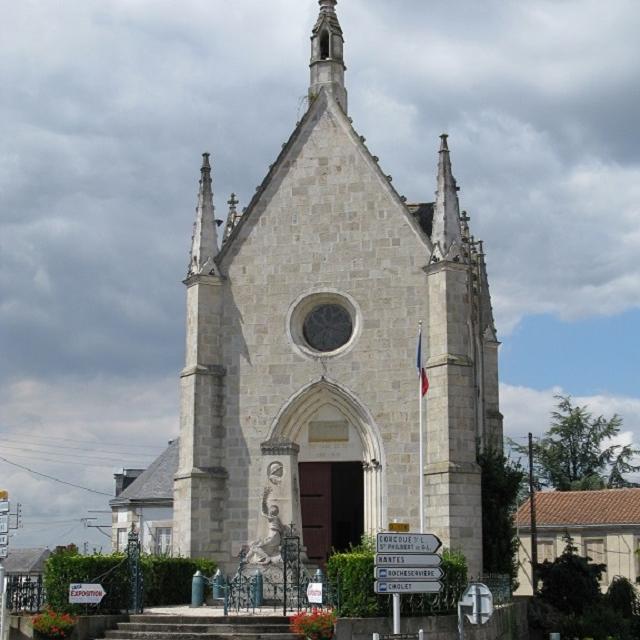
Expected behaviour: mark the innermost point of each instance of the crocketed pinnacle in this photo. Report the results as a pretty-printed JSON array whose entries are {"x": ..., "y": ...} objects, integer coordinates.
[
  {"x": 446, "y": 214},
  {"x": 204, "y": 244}
]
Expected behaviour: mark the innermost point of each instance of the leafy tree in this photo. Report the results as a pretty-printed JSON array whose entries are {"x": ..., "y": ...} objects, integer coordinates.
[
  {"x": 574, "y": 454},
  {"x": 501, "y": 479},
  {"x": 570, "y": 582}
]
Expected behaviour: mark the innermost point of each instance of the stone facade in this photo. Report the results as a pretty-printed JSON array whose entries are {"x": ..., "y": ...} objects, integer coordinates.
[{"x": 326, "y": 227}]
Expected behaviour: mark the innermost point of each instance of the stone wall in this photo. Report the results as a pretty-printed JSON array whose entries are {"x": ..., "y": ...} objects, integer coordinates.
[{"x": 509, "y": 622}]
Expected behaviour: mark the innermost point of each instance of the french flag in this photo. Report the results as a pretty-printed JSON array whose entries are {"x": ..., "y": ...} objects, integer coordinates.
[{"x": 422, "y": 374}]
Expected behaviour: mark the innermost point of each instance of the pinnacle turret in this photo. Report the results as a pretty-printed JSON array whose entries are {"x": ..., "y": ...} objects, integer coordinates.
[
  {"x": 446, "y": 235},
  {"x": 204, "y": 244},
  {"x": 327, "y": 63}
]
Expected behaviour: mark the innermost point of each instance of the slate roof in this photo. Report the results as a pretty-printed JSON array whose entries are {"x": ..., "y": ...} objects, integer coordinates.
[
  {"x": 155, "y": 482},
  {"x": 26, "y": 560},
  {"x": 567, "y": 508},
  {"x": 423, "y": 213}
]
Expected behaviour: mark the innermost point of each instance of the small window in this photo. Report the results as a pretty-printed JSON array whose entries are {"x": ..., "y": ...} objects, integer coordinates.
[
  {"x": 324, "y": 45},
  {"x": 163, "y": 541},
  {"x": 594, "y": 548},
  {"x": 121, "y": 540},
  {"x": 546, "y": 550}
]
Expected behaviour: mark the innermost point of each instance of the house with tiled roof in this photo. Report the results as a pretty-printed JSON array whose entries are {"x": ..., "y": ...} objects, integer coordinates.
[
  {"x": 144, "y": 501},
  {"x": 604, "y": 525}
]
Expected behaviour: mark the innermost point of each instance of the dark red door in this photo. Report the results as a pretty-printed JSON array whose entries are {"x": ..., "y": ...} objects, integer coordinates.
[{"x": 315, "y": 501}]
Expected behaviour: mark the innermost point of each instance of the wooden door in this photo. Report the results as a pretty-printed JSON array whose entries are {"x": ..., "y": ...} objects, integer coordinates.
[{"x": 315, "y": 501}]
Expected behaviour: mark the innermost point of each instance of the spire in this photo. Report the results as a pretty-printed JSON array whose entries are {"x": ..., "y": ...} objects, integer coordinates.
[
  {"x": 446, "y": 234},
  {"x": 327, "y": 64},
  {"x": 204, "y": 244}
]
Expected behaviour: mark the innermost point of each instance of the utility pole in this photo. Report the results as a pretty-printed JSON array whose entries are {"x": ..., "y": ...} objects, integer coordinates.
[{"x": 534, "y": 533}]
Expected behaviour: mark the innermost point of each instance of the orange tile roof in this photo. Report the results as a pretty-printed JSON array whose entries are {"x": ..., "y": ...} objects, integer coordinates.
[{"x": 609, "y": 506}]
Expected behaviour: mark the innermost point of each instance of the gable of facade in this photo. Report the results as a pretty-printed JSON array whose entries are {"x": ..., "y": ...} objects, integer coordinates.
[{"x": 299, "y": 397}]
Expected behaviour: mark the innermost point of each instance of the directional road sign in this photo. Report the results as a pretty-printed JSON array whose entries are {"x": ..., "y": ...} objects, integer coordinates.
[
  {"x": 408, "y": 573},
  {"x": 407, "y": 560},
  {"x": 4, "y": 552},
  {"x": 4, "y": 524},
  {"x": 407, "y": 543},
  {"x": 4, "y": 506},
  {"x": 406, "y": 586}
]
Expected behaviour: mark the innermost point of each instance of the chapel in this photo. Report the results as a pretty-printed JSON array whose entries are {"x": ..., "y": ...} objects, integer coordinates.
[{"x": 301, "y": 393}]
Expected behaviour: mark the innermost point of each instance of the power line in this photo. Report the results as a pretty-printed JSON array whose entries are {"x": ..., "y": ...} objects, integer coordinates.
[
  {"x": 93, "y": 465},
  {"x": 66, "y": 447},
  {"x": 85, "y": 441},
  {"x": 55, "y": 453},
  {"x": 44, "y": 475}
]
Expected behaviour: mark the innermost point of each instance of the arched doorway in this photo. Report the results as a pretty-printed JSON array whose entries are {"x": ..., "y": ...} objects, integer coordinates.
[{"x": 340, "y": 466}]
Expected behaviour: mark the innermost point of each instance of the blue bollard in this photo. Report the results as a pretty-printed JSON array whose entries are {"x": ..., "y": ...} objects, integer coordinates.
[
  {"x": 218, "y": 585},
  {"x": 197, "y": 590},
  {"x": 256, "y": 589}
]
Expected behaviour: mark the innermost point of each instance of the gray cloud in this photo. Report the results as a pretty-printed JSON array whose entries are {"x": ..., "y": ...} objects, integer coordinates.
[{"x": 109, "y": 106}]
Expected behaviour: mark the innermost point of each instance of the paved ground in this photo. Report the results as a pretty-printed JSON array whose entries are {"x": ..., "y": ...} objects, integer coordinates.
[{"x": 216, "y": 610}]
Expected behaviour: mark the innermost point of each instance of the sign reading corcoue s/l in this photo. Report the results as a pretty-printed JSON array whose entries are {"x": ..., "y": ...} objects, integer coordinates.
[{"x": 407, "y": 543}]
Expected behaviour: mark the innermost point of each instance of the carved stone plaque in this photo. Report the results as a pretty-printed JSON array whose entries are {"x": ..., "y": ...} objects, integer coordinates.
[{"x": 329, "y": 431}]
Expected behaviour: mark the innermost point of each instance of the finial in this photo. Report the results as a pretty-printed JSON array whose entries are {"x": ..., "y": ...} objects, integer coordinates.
[
  {"x": 232, "y": 202},
  {"x": 205, "y": 161},
  {"x": 443, "y": 142},
  {"x": 327, "y": 5}
]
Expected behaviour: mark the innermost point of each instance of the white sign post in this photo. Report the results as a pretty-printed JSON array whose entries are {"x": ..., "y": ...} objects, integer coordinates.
[
  {"x": 86, "y": 593},
  {"x": 3, "y": 603},
  {"x": 406, "y": 563}
]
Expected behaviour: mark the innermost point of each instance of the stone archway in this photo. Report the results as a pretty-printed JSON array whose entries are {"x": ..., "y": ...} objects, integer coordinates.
[{"x": 349, "y": 433}]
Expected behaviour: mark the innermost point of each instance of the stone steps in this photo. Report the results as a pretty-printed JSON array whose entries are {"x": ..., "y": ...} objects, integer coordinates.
[
  {"x": 168, "y": 627},
  {"x": 219, "y": 628}
]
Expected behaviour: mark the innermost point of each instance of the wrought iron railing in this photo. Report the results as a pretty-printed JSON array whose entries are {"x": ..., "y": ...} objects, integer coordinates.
[
  {"x": 25, "y": 593},
  {"x": 500, "y": 586}
]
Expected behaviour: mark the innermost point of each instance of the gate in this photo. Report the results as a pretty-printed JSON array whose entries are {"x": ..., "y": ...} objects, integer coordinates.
[{"x": 282, "y": 584}]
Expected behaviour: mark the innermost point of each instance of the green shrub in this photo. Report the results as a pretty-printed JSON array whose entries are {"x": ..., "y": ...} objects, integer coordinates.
[
  {"x": 570, "y": 582},
  {"x": 166, "y": 580},
  {"x": 351, "y": 578},
  {"x": 622, "y": 597}
]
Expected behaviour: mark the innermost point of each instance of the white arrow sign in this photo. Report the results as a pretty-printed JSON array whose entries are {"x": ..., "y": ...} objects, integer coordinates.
[
  {"x": 86, "y": 593},
  {"x": 392, "y": 586},
  {"x": 408, "y": 573},
  {"x": 407, "y": 560},
  {"x": 407, "y": 542}
]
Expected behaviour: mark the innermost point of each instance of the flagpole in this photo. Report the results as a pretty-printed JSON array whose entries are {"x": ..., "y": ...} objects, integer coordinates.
[{"x": 421, "y": 456}]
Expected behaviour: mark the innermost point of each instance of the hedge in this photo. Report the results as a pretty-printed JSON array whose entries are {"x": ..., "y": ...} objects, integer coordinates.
[
  {"x": 166, "y": 580},
  {"x": 351, "y": 582}
]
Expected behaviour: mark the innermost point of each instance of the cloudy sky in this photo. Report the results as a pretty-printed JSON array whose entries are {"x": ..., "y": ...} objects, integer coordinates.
[{"x": 106, "y": 107}]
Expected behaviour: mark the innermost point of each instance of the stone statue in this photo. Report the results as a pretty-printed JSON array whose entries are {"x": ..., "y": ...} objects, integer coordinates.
[{"x": 266, "y": 550}]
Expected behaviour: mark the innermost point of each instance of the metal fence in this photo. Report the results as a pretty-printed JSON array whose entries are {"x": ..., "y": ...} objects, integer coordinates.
[
  {"x": 500, "y": 586},
  {"x": 25, "y": 593}
]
